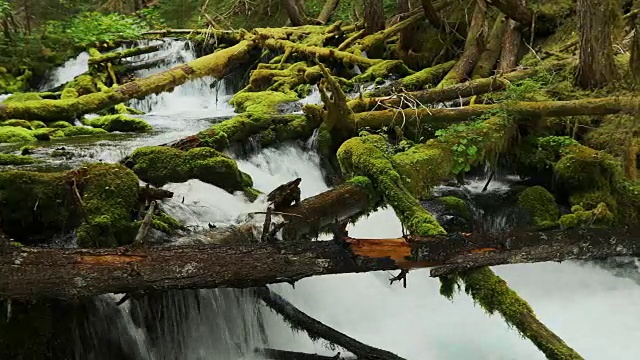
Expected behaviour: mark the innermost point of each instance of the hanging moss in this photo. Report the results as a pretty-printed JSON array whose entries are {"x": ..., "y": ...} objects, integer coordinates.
[
  {"x": 159, "y": 165},
  {"x": 10, "y": 134},
  {"x": 539, "y": 204},
  {"x": 120, "y": 123}
]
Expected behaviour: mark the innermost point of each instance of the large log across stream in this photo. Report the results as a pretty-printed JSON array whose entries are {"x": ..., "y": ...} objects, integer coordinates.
[{"x": 70, "y": 273}]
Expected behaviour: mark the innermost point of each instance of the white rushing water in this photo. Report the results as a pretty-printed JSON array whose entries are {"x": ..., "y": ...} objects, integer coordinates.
[
  {"x": 68, "y": 71},
  {"x": 592, "y": 310}
]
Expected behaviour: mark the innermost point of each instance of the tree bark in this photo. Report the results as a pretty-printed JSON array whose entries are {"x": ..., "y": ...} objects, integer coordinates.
[
  {"x": 510, "y": 48},
  {"x": 514, "y": 9},
  {"x": 217, "y": 64},
  {"x": 296, "y": 17},
  {"x": 490, "y": 56},
  {"x": 73, "y": 273},
  {"x": 473, "y": 47},
  {"x": 634, "y": 60},
  {"x": 327, "y": 10},
  {"x": 299, "y": 320},
  {"x": 432, "y": 14},
  {"x": 597, "y": 19},
  {"x": 276, "y": 354},
  {"x": 373, "y": 16}
]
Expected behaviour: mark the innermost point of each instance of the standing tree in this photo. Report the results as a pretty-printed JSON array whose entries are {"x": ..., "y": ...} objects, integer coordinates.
[
  {"x": 373, "y": 16},
  {"x": 598, "y": 19},
  {"x": 634, "y": 60}
]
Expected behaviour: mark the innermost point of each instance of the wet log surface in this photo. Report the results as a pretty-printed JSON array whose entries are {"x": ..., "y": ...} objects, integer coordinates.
[{"x": 69, "y": 273}]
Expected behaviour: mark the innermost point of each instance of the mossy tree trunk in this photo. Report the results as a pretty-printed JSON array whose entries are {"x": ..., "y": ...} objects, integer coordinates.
[
  {"x": 510, "y": 47},
  {"x": 327, "y": 10},
  {"x": 373, "y": 16},
  {"x": 491, "y": 54},
  {"x": 473, "y": 47},
  {"x": 598, "y": 20},
  {"x": 515, "y": 9},
  {"x": 634, "y": 60}
]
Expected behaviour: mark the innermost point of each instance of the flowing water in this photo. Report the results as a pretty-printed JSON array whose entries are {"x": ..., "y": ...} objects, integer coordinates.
[{"x": 591, "y": 309}]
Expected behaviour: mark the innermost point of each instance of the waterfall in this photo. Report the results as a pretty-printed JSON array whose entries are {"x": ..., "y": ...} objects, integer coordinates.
[
  {"x": 65, "y": 73},
  {"x": 591, "y": 309}
]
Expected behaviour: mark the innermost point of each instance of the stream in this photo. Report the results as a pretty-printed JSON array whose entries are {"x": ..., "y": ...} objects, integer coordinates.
[{"x": 587, "y": 306}]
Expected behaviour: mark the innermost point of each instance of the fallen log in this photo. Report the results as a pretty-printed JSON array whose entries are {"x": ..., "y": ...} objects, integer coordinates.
[
  {"x": 317, "y": 330},
  {"x": 117, "y": 55},
  {"x": 457, "y": 91},
  {"x": 515, "y": 10},
  {"x": 276, "y": 354},
  {"x": 73, "y": 273},
  {"x": 217, "y": 64},
  {"x": 313, "y": 52},
  {"x": 525, "y": 109}
]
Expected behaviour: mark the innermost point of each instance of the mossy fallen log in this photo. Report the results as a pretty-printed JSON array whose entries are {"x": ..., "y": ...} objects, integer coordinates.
[
  {"x": 316, "y": 329},
  {"x": 523, "y": 109},
  {"x": 117, "y": 55},
  {"x": 160, "y": 165},
  {"x": 419, "y": 80},
  {"x": 73, "y": 273},
  {"x": 494, "y": 295},
  {"x": 267, "y": 129},
  {"x": 322, "y": 53},
  {"x": 217, "y": 64},
  {"x": 277, "y": 354}
]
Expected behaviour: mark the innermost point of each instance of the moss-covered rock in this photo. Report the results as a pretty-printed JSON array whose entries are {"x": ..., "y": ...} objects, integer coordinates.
[
  {"x": 27, "y": 149},
  {"x": 18, "y": 123},
  {"x": 60, "y": 125},
  {"x": 159, "y": 165},
  {"x": 69, "y": 93},
  {"x": 456, "y": 206},
  {"x": 81, "y": 130},
  {"x": 120, "y": 123},
  {"x": 37, "y": 124},
  {"x": 582, "y": 168},
  {"x": 98, "y": 201},
  {"x": 11, "y": 159},
  {"x": 82, "y": 85},
  {"x": 540, "y": 204},
  {"x": 591, "y": 199},
  {"x": 11, "y": 134},
  {"x": 109, "y": 200}
]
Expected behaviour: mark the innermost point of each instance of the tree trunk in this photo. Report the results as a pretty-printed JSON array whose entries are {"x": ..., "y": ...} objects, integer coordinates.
[
  {"x": 634, "y": 60},
  {"x": 510, "y": 48},
  {"x": 373, "y": 16},
  {"x": 217, "y": 64},
  {"x": 117, "y": 55},
  {"x": 432, "y": 14},
  {"x": 299, "y": 320},
  {"x": 491, "y": 54},
  {"x": 405, "y": 39},
  {"x": 473, "y": 47},
  {"x": 73, "y": 273},
  {"x": 276, "y": 354},
  {"x": 327, "y": 10},
  {"x": 598, "y": 19},
  {"x": 296, "y": 17}
]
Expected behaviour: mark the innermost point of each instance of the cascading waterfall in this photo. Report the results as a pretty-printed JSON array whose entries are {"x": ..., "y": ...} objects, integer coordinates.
[
  {"x": 65, "y": 73},
  {"x": 588, "y": 307}
]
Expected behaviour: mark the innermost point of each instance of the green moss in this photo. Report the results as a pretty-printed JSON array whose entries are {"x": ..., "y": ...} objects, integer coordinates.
[
  {"x": 494, "y": 295},
  {"x": 383, "y": 70},
  {"x": 81, "y": 130},
  {"x": 590, "y": 199},
  {"x": 598, "y": 216},
  {"x": 110, "y": 198},
  {"x": 46, "y": 134},
  {"x": 540, "y": 204},
  {"x": 61, "y": 153},
  {"x": 82, "y": 85},
  {"x": 120, "y": 123},
  {"x": 366, "y": 156},
  {"x": 159, "y": 165},
  {"x": 10, "y": 134},
  {"x": 10, "y": 159},
  {"x": 165, "y": 223},
  {"x": 582, "y": 168},
  {"x": 37, "y": 124},
  {"x": 456, "y": 206},
  {"x": 18, "y": 123},
  {"x": 59, "y": 125},
  {"x": 262, "y": 102},
  {"x": 20, "y": 97},
  {"x": 69, "y": 93},
  {"x": 272, "y": 129}
]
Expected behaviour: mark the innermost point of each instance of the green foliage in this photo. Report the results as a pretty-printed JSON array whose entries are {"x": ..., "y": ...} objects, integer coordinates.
[
  {"x": 463, "y": 138},
  {"x": 91, "y": 28}
]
